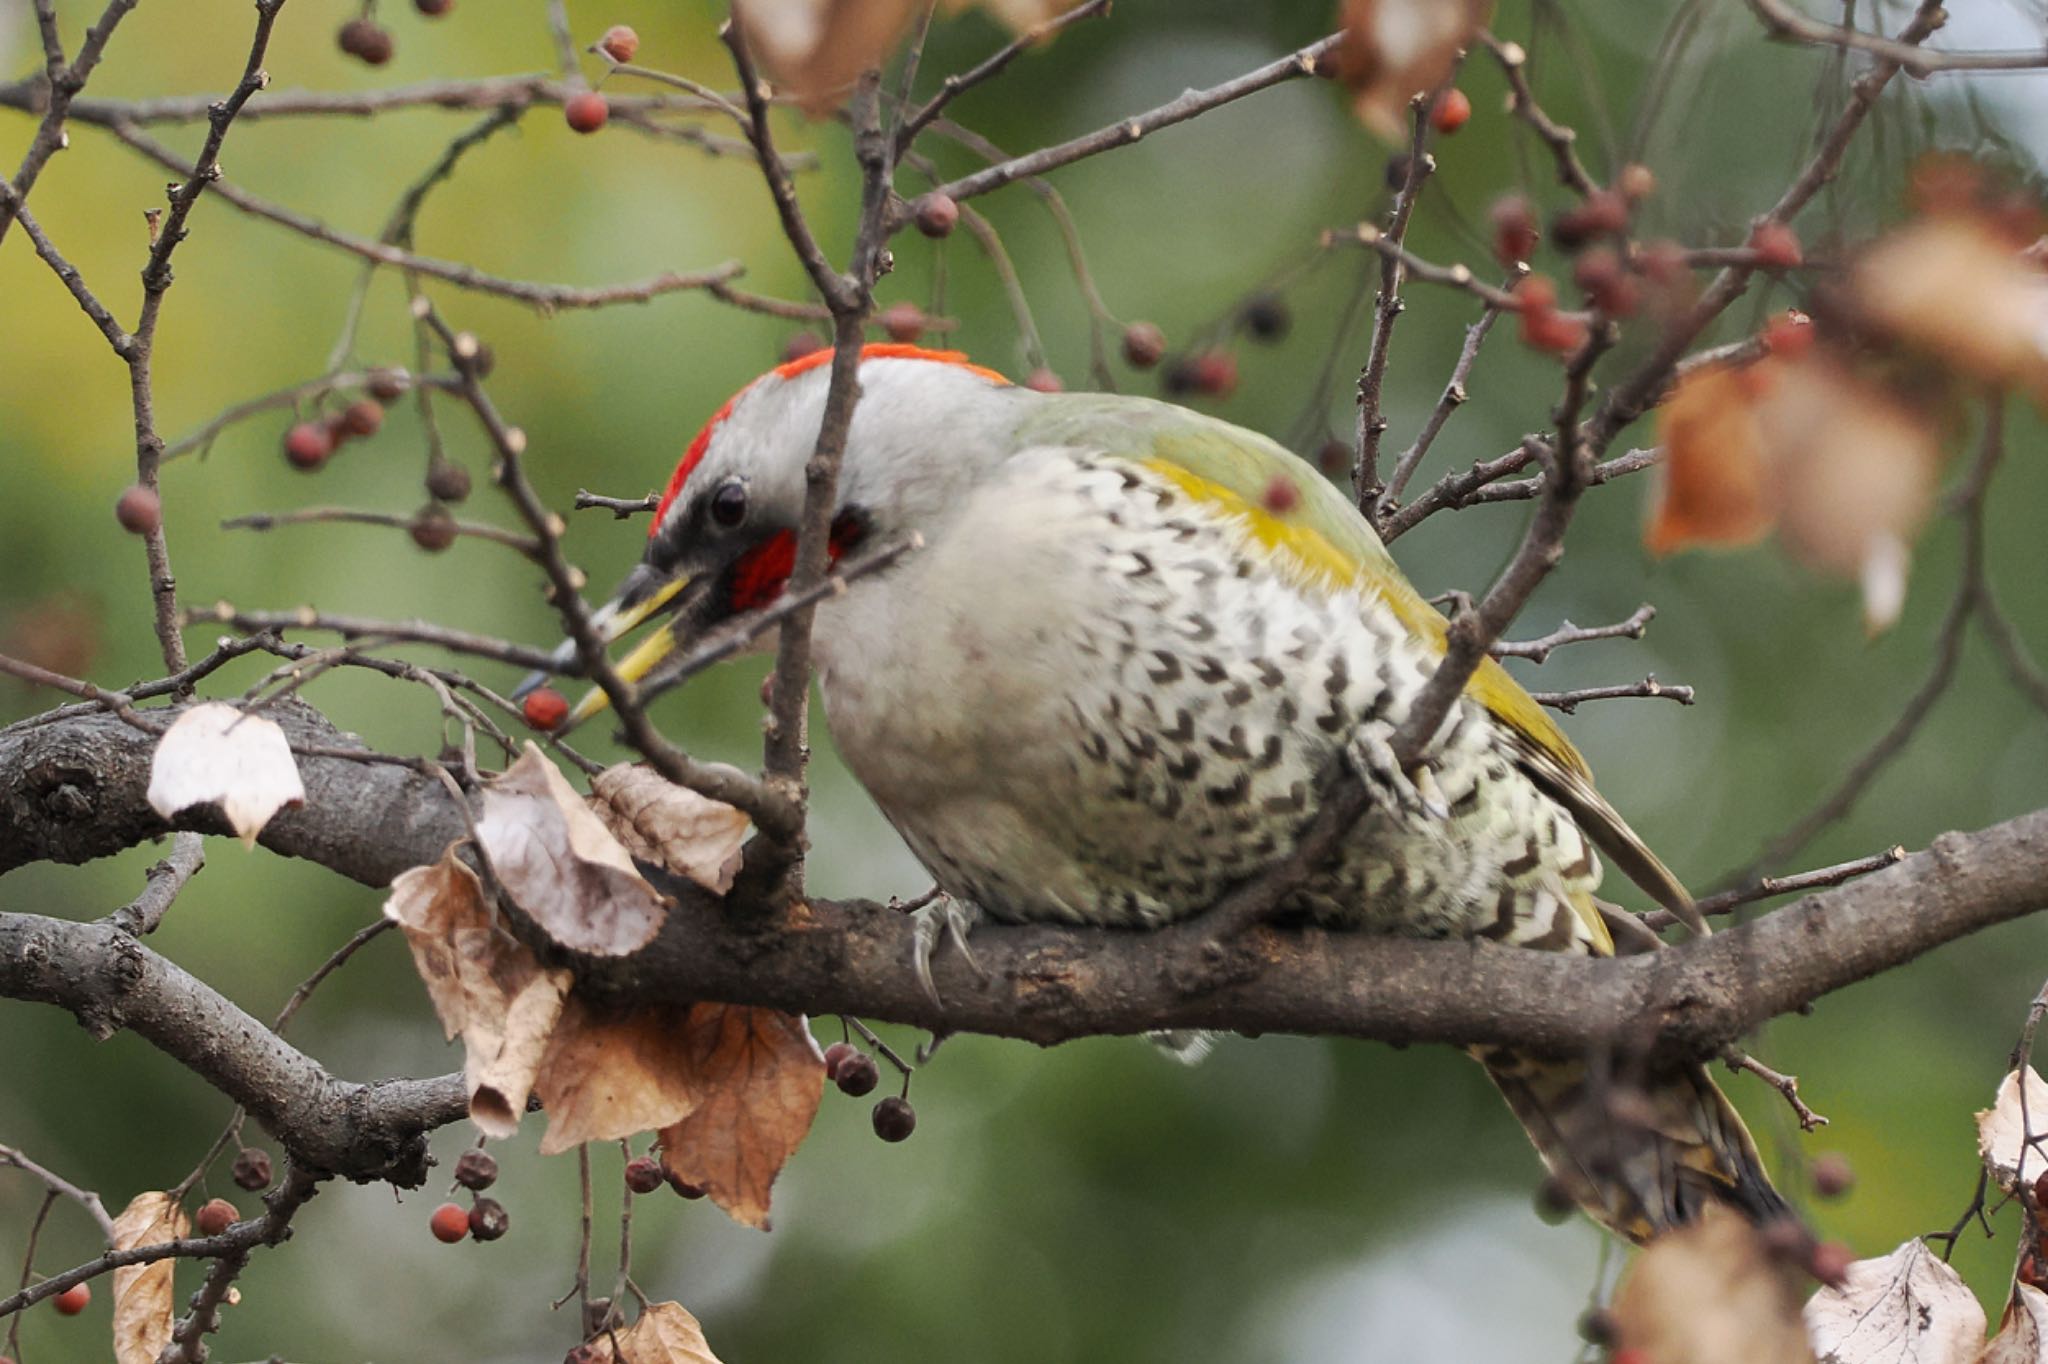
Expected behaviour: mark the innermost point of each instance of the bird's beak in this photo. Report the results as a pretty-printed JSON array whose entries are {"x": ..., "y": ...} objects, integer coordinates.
[{"x": 644, "y": 594}]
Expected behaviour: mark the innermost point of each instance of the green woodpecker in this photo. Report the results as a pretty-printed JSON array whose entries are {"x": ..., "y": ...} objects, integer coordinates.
[{"x": 1137, "y": 648}]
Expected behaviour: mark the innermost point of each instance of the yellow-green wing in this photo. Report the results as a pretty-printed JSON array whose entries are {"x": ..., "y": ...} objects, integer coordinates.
[{"x": 1315, "y": 531}]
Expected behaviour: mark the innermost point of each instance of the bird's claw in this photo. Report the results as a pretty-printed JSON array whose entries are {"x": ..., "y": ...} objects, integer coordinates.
[{"x": 938, "y": 917}]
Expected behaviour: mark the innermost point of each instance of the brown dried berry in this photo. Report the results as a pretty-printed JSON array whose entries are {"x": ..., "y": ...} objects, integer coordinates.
[
  {"x": 894, "y": 1119},
  {"x": 433, "y": 9},
  {"x": 836, "y": 1054},
  {"x": 364, "y": 40},
  {"x": 447, "y": 480},
  {"x": 215, "y": 1216},
  {"x": 433, "y": 529},
  {"x": 858, "y": 1075},
  {"x": 1214, "y": 373},
  {"x": 252, "y": 1169},
  {"x": 1832, "y": 1175},
  {"x": 476, "y": 1168},
  {"x": 1554, "y": 1202},
  {"x": 362, "y": 417},
  {"x": 683, "y": 1187},
  {"x": 643, "y": 1175},
  {"x": 488, "y": 1219},
  {"x": 388, "y": 385},
  {"x": 620, "y": 43},
  {"x": 1597, "y": 1326},
  {"x": 801, "y": 344},
  {"x": 139, "y": 510},
  {"x": 1144, "y": 345},
  {"x": 1266, "y": 317},
  {"x": 935, "y": 214},
  {"x": 904, "y": 322},
  {"x": 1830, "y": 1263},
  {"x": 1514, "y": 229},
  {"x": 1776, "y": 246},
  {"x": 1601, "y": 214}
]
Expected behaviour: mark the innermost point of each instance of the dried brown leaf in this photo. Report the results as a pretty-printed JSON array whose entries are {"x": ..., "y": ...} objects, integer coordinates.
[
  {"x": 1710, "y": 481},
  {"x": 214, "y": 754},
  {"x": 759, "y": 1078},
  {"x": 2023, "y": 1334},
  {"x": 1953, "y": 287},
  {"x": 561, "y": 865},
  {"x": 486, "y": 986},
  {"x": 1906, "y": 1308},
  {"x": 143, "y": 1319},
  {"x": 815, "y": 49},
  {"x": 665, "y": 1334},
  {"x": 2003, "y": 1130},
  {"x": 657, "y": 821},
  {"x": 1019, "y": 16},
  {"x": 1708, "y": 1293},
  {"x": 605, "y": 1078},
  {"x": 1394, "y": 50}
]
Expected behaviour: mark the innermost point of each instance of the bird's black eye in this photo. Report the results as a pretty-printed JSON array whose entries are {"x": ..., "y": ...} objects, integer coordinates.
[{"x": 729, "y": 504}]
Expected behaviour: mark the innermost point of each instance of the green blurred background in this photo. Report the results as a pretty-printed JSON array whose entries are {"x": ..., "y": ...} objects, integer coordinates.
[{"x": 1289, "y": 1200}]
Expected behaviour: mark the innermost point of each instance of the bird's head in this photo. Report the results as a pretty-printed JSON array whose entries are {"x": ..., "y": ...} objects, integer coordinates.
[{"x": 724, "y": 536}]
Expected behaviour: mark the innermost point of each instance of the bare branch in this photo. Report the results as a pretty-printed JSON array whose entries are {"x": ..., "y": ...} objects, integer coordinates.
[
  {"x": 1539, "y": 650},
  {"x": 1649, "y": 687}
]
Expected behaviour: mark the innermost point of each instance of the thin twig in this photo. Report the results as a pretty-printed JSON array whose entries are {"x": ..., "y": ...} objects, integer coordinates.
[
  {"x": 619, "y": 507},
  {"x": 350, "y": 516},
  {"x": 1539, "y": 650},
  {"x": 1786, "y": 1085},
  {"x": 57, "y": 1184},
  {"x": 956, "y": 85},
  {"x": 1649, "y": 687}
]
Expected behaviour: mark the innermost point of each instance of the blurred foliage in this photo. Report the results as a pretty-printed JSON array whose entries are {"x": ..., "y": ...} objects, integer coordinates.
[{"x": 1290, "y": 1199}]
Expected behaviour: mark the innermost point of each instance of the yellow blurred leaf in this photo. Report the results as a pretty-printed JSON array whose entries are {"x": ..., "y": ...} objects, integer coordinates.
[
  {"x": 665, "y": 1334},
  {"x": 1952, "y": 287},
  {"x": 1394, "y": 50},
  {"x": 1907, "y": 1308},
  {"x": 605, "y": 1078},
  {"x": 1710, "y": 1293},
  {"x": 142, "y": 1293},
  {"x": 1710, "y": 481},
  {"x": 485, "y": 985},
  {"x": 657, "y": 821},
  {"x": 214, "y": 754},
  {"x": 759, "y": 1078},
  {"x": 561, "y": 865}
]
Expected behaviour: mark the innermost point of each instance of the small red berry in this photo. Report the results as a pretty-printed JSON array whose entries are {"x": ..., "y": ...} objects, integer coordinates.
[
  {"x": 1776, "y": 246},
  {"x": 449, "y": 1223},
  {"x": 1789, "y": 335},
  {"x": 1214, "y": 373},
  {"x": 904, "y": 322},
  {"x": 1630, "y": 1354},
  {"x": 1282, "y": 495},
  {"x": 1602, "y": 213},
  {"x": 1535, "y": 294},
  {"x": 1043, "y": 380},
  {"x": 139, "y": 510},
  {"x": 586, "y": 112},
  {"x": 620, "y": 43},
  {"x": 252, "y": 1169},
  {"x": 1553, "y": 332},
  {"x": 362, "y": 417},
  {"x": 488, "y": 1219},
  {"x": 544, "y": 708},
  {"x": 643, "y": 1175},
  {"x": 1451, "y": 110},
  {"x": 215, "y": 1216},
  {"x": 935, "y": 214},
  {"x": 1832, "y": 1175},
  {"x": 801, "y": 344},
  {"x": 1144, "y": 345},
  {"x": 1599, "y": 274},
  {"x": 894, "y": 1119},
  {"x": 1514, "y": 229},
  {"x": 72, "y": 1300},
  {"x": 308, "y": 445},
  {"x": 366, "y": 42},
  {"x": 476, "y": 1169},
  {"x": 1662, "y": 262},
  {"x": 2041, "y": 1190},
  {"x": 835, "y": 1057},
  {"x": 1830, "y": 1263},
  {"x": 858, "y": 1074}
]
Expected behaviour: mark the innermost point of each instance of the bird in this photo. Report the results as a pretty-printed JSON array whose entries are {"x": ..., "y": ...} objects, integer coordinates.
[{"x": 1137, "y": 649}]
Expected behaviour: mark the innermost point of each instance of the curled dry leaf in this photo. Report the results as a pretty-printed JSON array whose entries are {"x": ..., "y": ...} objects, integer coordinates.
[
  {"x": 142, "y": 1293},
  {"x": 561, "y": 865},
  {"x": 1710, "y": 481},
  {"x": 1953, "y": 288},
  {"x": 605, "y": 1078},
  {"x": 2023, "y": 1335},
  {"x": 485, "y": 985},
  {"x": 815, "y": 49},
  {"x": 665, "y": 1334},
  {"x": 2003, "y": 1128},
  {"x": 1709, "y": 1293},
  {"x": 214, "y": 754},
  {"x": 759, "y": 1078},
  {"x": 1394, "y": 50},
  {"x": 672, "y": 826},
  {"x": 1907, "y": 1308}
]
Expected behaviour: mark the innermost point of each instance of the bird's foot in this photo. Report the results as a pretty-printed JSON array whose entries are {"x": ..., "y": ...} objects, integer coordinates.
[{"x": 935, "y": 917}]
